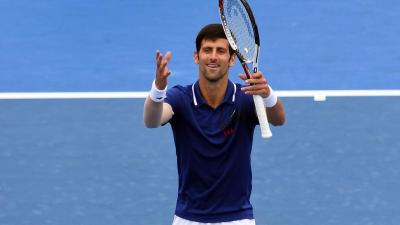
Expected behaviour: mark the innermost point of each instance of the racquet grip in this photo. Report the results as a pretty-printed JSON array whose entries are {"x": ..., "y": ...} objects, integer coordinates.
[{"x": 262, "y": 116}]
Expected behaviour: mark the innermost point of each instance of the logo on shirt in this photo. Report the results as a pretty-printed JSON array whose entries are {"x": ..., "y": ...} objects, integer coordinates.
[
  {"x": 228, "y": 131},
  {"x": 228, "y": 125}
]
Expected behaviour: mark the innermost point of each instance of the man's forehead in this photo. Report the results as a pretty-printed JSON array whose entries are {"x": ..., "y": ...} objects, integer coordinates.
[{"x": 218, "y": 42}]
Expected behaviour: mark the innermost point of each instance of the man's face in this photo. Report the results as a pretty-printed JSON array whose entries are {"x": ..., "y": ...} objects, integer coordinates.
[{"x": 214, "y": 59}]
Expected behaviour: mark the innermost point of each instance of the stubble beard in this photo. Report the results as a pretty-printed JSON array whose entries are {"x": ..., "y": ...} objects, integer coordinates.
[{"x": 216, "y": 76}]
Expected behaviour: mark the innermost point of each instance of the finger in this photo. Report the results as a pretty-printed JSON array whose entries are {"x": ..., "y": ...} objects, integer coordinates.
[
  {"x": 163, "y": 65},
  {"x": 167, "y": 56},
  {"x": 158, "y": 59},
  {"x": 252, "y": 92},
  {"x": 258, "y": 89},
  {"x": 256, "y": 93},
  {"x": 157, "y": 54},
  {"x": 255, "y": 87},
  {"x": 257, "y": 75},
  {"x": 243, "y": 76},
  {"x": 261, "y": 89},
  {"x": 254, "y": 81},
  {"x": 165, "y": 60}
]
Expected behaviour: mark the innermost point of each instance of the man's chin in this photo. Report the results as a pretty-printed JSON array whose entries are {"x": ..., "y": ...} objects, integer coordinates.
[{"x": 214, "y": 77}]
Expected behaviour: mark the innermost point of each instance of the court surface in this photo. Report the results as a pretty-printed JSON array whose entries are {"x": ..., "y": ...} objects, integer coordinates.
[{"x": 91, "y": 161}]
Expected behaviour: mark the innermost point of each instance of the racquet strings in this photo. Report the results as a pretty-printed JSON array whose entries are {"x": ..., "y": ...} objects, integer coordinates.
[{"x": 240, "y": 26}]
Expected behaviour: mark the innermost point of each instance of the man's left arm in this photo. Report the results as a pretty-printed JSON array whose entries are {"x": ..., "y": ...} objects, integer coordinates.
[
  {"x": 259, "y": 86},
  {"x": 276, "y": 114}
]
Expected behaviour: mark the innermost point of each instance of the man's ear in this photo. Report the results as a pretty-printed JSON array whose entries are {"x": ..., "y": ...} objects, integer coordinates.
[{"x": 196, "y": 57}]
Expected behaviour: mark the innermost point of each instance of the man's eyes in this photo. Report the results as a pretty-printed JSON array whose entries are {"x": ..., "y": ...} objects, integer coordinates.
[{"x": 219, "y": 50}]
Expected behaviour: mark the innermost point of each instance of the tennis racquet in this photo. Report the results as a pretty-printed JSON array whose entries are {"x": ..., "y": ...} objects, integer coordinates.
[{"x": 242, "y": 33}]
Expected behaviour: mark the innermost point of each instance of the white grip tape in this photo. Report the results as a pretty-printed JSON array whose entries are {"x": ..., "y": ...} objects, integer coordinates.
[{"x": 262, "y": 116}]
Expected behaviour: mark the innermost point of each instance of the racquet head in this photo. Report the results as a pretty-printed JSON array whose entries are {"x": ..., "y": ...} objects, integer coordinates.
[{"x": 241, "y": 29}]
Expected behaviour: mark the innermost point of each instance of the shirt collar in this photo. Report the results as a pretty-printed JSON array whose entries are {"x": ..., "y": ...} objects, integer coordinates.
[{"x": 198, "y": 99}]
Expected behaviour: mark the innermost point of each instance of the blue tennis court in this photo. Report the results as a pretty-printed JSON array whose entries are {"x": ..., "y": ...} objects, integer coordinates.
[{"x": 91, "y": 161}]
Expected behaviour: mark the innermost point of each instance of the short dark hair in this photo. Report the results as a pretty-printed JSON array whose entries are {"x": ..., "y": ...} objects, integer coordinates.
[{"x": 211, "y": 32}]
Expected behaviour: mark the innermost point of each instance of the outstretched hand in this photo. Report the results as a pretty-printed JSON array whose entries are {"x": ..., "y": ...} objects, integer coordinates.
[
  {"x": 258, "y": 85},
  {"x": 162, "y": 71}
]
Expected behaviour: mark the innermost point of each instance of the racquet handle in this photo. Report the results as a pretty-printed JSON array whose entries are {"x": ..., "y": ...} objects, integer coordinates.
[{"x": 262, "y": 116}]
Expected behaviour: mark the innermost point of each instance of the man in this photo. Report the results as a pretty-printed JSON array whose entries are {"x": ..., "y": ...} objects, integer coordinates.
[{"x": 213, "y": 122}]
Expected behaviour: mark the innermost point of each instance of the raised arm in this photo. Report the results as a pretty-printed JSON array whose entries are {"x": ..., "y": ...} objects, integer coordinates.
[{"x": 156, "y": 112}]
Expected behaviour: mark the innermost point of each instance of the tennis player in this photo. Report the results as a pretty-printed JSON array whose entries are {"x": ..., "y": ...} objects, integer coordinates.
[{"x": 213, "y": 122}]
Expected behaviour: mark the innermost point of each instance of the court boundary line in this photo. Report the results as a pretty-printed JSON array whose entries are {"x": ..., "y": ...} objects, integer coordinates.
[{"x": 318, "y": 95}]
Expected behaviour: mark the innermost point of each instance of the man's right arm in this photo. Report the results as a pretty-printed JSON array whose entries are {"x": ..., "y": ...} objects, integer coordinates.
[{"x": 156, "y": 113}]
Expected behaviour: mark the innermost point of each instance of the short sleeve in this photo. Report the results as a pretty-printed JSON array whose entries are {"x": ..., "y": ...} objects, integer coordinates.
[{"x": 176, "y": 98}]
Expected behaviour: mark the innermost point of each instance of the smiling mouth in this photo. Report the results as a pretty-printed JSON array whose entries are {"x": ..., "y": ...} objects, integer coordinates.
[{"x": 212, "y": 66}]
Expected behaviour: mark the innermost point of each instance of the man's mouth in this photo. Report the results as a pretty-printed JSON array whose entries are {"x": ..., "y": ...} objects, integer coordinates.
[{"x": 213, "y": 65}]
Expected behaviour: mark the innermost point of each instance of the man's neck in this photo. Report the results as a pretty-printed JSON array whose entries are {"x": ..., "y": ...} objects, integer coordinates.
[{"x": 213, "y": 92}]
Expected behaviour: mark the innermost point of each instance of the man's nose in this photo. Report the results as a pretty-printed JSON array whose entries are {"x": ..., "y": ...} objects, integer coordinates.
[{"x": 213, "y": 54}]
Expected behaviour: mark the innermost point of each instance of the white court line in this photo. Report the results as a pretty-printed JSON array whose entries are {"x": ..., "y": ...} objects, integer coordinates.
[
  {"x": 71, "y": 95},
  {"x": 321, "y": 95},
  {"x": 318, "y": 95}
]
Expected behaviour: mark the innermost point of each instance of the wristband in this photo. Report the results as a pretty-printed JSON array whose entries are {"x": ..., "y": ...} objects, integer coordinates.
[
  {"x": 271, "y": 100},
  {"x": 157, "y": 95}
]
